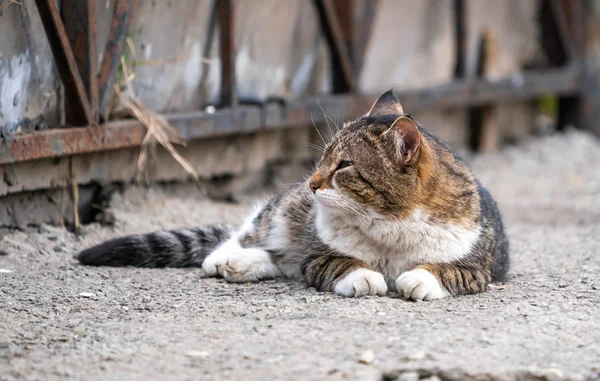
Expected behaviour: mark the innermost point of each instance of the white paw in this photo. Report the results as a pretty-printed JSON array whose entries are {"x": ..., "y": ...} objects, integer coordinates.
[
  {"x": 361, "y": 282},
  {"x": 419, "y": 284},
  {"x": 238, "y": 264}
]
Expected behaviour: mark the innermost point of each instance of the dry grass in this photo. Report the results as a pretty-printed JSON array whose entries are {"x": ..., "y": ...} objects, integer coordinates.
[
  {"x": 9, "y": 2},
  {"x": 159, "y": 130}
]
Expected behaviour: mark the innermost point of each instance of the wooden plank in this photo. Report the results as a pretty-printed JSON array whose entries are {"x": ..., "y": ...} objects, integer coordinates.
[
  {"x": 130, "y": 133},
  {"x": 115, "y": 47},
  {"x": 79, "y": 17},
  {"x": 80, "y": 112},
  {"x": 483, "y": 127},
  {"x": 227, "y": 48},
  {"x": 343, "y": 78}
]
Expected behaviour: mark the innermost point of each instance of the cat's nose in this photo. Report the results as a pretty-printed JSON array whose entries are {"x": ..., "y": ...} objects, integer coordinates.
[{"x": 314, "y": 186}]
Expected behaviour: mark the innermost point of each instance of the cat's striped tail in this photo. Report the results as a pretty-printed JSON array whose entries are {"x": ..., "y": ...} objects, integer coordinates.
[{"x": 175, "y": 248}]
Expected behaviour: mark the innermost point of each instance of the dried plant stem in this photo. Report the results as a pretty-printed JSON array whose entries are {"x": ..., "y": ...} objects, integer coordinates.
[
  {"x": 158, "y": 128},
  {"x": 75, "y": 193}
]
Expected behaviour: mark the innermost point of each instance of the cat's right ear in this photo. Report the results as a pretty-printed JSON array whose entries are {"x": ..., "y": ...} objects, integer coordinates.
[
  {"x": 404, "y": 138},
  {"x": 386, "y": 104}
]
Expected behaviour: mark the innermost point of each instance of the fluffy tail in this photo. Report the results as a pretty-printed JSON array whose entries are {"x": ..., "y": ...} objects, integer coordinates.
[{"x": 175, "y": 248}]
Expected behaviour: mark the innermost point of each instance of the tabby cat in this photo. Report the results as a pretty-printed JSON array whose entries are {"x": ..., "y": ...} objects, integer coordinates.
[{"x": 389, "y": 208}]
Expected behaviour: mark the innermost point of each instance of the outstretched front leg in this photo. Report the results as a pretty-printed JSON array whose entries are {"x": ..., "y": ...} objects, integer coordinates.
[
  {"x": 436, "y": 281},
  {"x": 343, "y": 275}
]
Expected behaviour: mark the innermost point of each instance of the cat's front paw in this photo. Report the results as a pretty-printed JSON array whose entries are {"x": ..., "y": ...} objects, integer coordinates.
[
  {"x": 419, "y": 284},
  {"x": 238, "y": 264},
  {"x": 361, "y": 282}
]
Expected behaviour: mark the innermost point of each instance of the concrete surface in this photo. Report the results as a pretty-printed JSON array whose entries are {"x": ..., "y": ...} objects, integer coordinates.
[{"x": 59, "y": 320}]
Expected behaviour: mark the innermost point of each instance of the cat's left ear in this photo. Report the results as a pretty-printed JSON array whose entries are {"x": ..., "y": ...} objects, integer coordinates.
[
  {"x": 386, "y": 104},
  {"x": 405, "y": 139}
]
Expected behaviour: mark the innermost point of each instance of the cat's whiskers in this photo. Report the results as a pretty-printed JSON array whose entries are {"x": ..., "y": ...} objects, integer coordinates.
[
  {"x": 316, "y": 128},
  {"x": 326, "y": 120},
  {"x": 337, "y": 127},
  {"x": 317, "y": 147}
]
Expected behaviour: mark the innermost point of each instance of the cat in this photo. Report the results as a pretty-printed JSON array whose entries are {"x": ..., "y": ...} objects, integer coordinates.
[{"x": 390, "y": 207}]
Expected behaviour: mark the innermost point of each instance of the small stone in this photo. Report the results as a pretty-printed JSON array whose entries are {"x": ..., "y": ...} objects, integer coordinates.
[
  {"x": 408, "y": 376},
  {"x": 562, "y": 284},
  {"x": 367, "y": 357},
  {"x": 3, "y": 252},
  {"x": 146, "y": 299},
  {"x": 432, "y": 378},
  {"x": 52, "y": 238},
  {"x": 5, "y": 271},
  {"x": 58, "y": 249},
  {"x": 417, "y": 356},
  {"x": 198, "y": 354},
  {"x": 555, "y": 372},
  {"x": 87, "y": 295}
]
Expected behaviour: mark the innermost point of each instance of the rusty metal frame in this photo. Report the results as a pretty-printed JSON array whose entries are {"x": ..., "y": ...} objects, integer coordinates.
[
  {"x": 79, "y": 20},
  {"x": 335, "y": 22},
  {"x": 115, "y": 47},
  {"x": 80, "y": 110},
  {"x": 194, "y": 125},
  {"x": 576, "y": 82},
  {"x": 226, "y": 14}
]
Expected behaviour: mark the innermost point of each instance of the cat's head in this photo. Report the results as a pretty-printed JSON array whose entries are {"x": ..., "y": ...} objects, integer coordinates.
[{"x": 373, "y": 164}]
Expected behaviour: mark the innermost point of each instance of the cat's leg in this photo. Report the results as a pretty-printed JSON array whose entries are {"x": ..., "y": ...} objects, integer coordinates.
[
  {"x": 243, "y": 257},
  {"x": 436, "y": 281},
  {"x": 343, "y": 275},
  {"x": 239, "y": 264}
]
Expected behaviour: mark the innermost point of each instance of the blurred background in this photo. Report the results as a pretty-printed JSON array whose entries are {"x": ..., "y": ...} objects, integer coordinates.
[{"x": 97, "y": 94}]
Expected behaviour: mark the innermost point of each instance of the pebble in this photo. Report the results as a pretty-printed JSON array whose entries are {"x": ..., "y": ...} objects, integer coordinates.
[
  {"x": 87, "y": 295},
  {"x": 198, "y": 354},
  {"x": 5, "y": 271},
  {"x": 146, "y": 299},
  {"x": 367, "y": 357},
  {"x": 408, "y": 376},
  {"x": 3, "y": 252}
]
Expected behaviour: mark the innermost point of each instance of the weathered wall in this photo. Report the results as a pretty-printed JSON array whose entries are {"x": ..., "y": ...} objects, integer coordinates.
[
  {"x": 515, "y": 34},
  {"x": 412, "y": 46},
  {"x": 30, "y": 91},
  {"x": 241, "y": 159},
  {"x": 284, "y": 57}
]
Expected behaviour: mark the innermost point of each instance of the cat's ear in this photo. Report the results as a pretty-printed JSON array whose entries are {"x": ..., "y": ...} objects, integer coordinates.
[
  {"x": 386, "y": 104},
  {"x": 405, "y": 139}
]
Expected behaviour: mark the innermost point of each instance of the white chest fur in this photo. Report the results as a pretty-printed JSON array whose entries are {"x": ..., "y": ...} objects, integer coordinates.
[{"x": 392, "y": 247}]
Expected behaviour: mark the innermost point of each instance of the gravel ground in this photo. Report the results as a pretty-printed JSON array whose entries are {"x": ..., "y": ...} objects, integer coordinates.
[{"x": 59, "y": 320}]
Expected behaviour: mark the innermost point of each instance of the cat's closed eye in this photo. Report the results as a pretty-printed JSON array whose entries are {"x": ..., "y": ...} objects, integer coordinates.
[{"x": 343, "y": 164}]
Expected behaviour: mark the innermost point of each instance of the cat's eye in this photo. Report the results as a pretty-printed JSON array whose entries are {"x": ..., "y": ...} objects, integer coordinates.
[{"x": 344, "y": 164}]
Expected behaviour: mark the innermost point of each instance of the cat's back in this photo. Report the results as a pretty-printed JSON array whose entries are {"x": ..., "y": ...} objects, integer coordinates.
[{"x": 469, "y": 191}]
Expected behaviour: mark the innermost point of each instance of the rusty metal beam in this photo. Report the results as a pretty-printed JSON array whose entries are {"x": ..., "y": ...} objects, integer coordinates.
[
  {"x": 364, "y": 30},
  {"x": 461, "y": 38},
  {"x": 333, "y": 29},
  {"x": 79, "y": 17},
  {"x": 123, "y": 134},
  {"x": 562, "y": 30},
  {"x": 115, "y": 47},
  {"x": 60, "y": 142},
  {"x": 80, "y": 112},
  {"x": 227, "y": 48}
]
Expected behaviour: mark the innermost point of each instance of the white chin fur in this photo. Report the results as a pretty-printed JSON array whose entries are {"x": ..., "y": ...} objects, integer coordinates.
[{"x": 419, "y": 284}]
